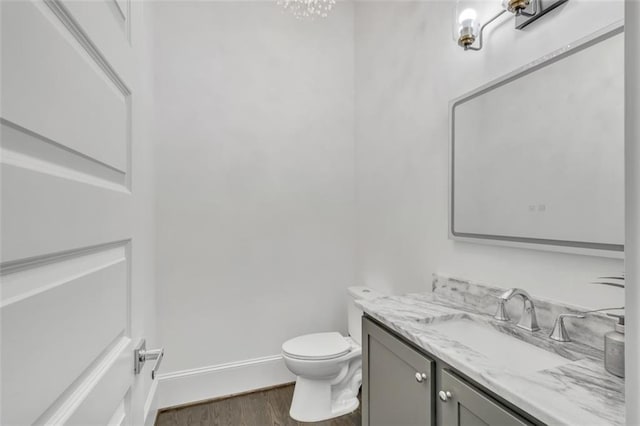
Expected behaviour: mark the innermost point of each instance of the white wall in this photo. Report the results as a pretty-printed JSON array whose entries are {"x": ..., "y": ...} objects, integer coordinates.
[
  {"x": 408, "y": 68},
  {"x": 255, "y": 178}
]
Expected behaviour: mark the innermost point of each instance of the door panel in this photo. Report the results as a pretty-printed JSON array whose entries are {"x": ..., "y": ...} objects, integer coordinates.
[
  {"x": 106, "y": 24},
  {"x": 108, "y": 394},
  {"x": 468, "y": 407},
  {"x": 67, "y": 212},
  {"x": 391, "y": 393},
  {"x": 467, "y": 418},
  {"x": 54, "y": 86},
  {"x": 46, "y": 316},
  {"x": 58, "y": 214}
]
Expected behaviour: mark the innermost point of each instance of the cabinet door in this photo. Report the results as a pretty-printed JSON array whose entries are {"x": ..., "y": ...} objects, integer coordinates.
[
  {"x": 462, "y": 405},
  {"x": 397, "y": 386}
]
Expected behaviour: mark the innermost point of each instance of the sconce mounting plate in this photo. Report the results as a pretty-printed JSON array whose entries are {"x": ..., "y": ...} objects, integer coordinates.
[{"x": 536, "y": 9}]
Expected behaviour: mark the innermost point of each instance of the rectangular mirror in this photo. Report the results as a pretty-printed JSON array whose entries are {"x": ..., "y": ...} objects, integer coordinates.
[{"x": 537, "y": 157}]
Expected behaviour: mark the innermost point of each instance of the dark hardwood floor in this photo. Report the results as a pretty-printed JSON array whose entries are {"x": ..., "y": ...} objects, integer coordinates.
[{"x": 260, "y": 408}]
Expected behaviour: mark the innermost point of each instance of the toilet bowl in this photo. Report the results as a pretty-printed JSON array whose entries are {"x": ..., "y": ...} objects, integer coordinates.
[{"x": 328, "y": 367}]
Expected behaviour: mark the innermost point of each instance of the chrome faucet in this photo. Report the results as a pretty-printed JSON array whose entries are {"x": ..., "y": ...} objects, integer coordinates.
[{"x": 528, "y": 320}]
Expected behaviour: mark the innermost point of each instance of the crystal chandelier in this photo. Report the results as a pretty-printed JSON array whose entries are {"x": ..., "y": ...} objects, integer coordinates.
[{"x": 308, "y": 8}]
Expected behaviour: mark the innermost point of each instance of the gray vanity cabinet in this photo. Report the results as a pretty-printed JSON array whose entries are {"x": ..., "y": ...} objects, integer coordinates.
[
  {"x": 397, "y": 384},
  {"x": 462, "y": 405},
  {"x": 405, "y": 386}
]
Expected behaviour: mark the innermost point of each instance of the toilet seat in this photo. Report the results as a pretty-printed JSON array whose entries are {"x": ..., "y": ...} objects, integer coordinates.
[{"x": 317, "y": 346}]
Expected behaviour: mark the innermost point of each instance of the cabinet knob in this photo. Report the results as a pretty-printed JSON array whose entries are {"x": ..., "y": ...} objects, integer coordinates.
[
  {"x": 421, "y": 377},
  {"x": 444, "y": 395}
]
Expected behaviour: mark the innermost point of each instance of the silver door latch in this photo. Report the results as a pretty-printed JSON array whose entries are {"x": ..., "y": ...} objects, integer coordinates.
[{"x": 142, "y": 355}]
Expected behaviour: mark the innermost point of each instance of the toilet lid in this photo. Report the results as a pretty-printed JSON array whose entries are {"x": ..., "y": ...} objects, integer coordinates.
[{"x": 316, "y": 346}]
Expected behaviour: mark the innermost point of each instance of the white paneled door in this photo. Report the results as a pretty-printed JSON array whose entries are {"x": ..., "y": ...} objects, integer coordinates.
[{"x": 69, "y": 299}]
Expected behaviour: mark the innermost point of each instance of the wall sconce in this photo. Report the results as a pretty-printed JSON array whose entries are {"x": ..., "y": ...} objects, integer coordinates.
[{"x": 525, "y": 11}]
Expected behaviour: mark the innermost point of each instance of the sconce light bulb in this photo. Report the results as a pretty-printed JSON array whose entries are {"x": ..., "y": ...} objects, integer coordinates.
[
  {"x": 468, "y": 22},
  {"x": 469, "y": 28},
  {"x": 467, "y": 15}
]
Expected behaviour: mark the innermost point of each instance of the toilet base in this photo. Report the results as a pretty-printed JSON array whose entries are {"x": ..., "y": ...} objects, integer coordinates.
[{"x": 316, "y": 400}]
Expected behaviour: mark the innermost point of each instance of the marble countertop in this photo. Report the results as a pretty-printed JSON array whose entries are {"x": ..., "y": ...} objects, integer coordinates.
[{"x": 580, "y": 392}]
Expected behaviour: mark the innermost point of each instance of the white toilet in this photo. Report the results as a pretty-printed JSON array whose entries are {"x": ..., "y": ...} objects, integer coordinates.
[{"x": 328, "y": 367}]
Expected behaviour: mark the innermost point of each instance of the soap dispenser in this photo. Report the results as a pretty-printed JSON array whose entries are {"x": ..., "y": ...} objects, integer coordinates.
[{"x": 614, "y": 348}]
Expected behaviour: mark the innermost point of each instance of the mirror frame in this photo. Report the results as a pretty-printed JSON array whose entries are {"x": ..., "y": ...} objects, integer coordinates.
[{"x": 576, "y": 247}]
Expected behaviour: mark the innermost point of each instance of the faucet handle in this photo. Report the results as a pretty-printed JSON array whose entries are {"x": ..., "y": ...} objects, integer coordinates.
[{"x": 559, "y": 332}]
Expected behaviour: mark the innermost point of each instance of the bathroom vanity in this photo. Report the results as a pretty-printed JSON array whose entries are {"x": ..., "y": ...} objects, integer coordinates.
[
  {"x": 403, "y": 385},
  {"x": 440, "y": 358}
]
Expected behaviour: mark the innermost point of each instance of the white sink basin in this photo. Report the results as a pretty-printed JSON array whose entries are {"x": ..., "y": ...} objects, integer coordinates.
[{"x": 505, "y": 351}]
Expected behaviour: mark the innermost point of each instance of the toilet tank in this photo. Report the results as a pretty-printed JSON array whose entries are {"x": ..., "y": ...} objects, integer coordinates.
[{"x": 355, "y": 313}]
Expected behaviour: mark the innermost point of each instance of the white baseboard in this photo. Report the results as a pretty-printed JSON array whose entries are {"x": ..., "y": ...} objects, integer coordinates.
[{"x": 198, "y": 384}]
